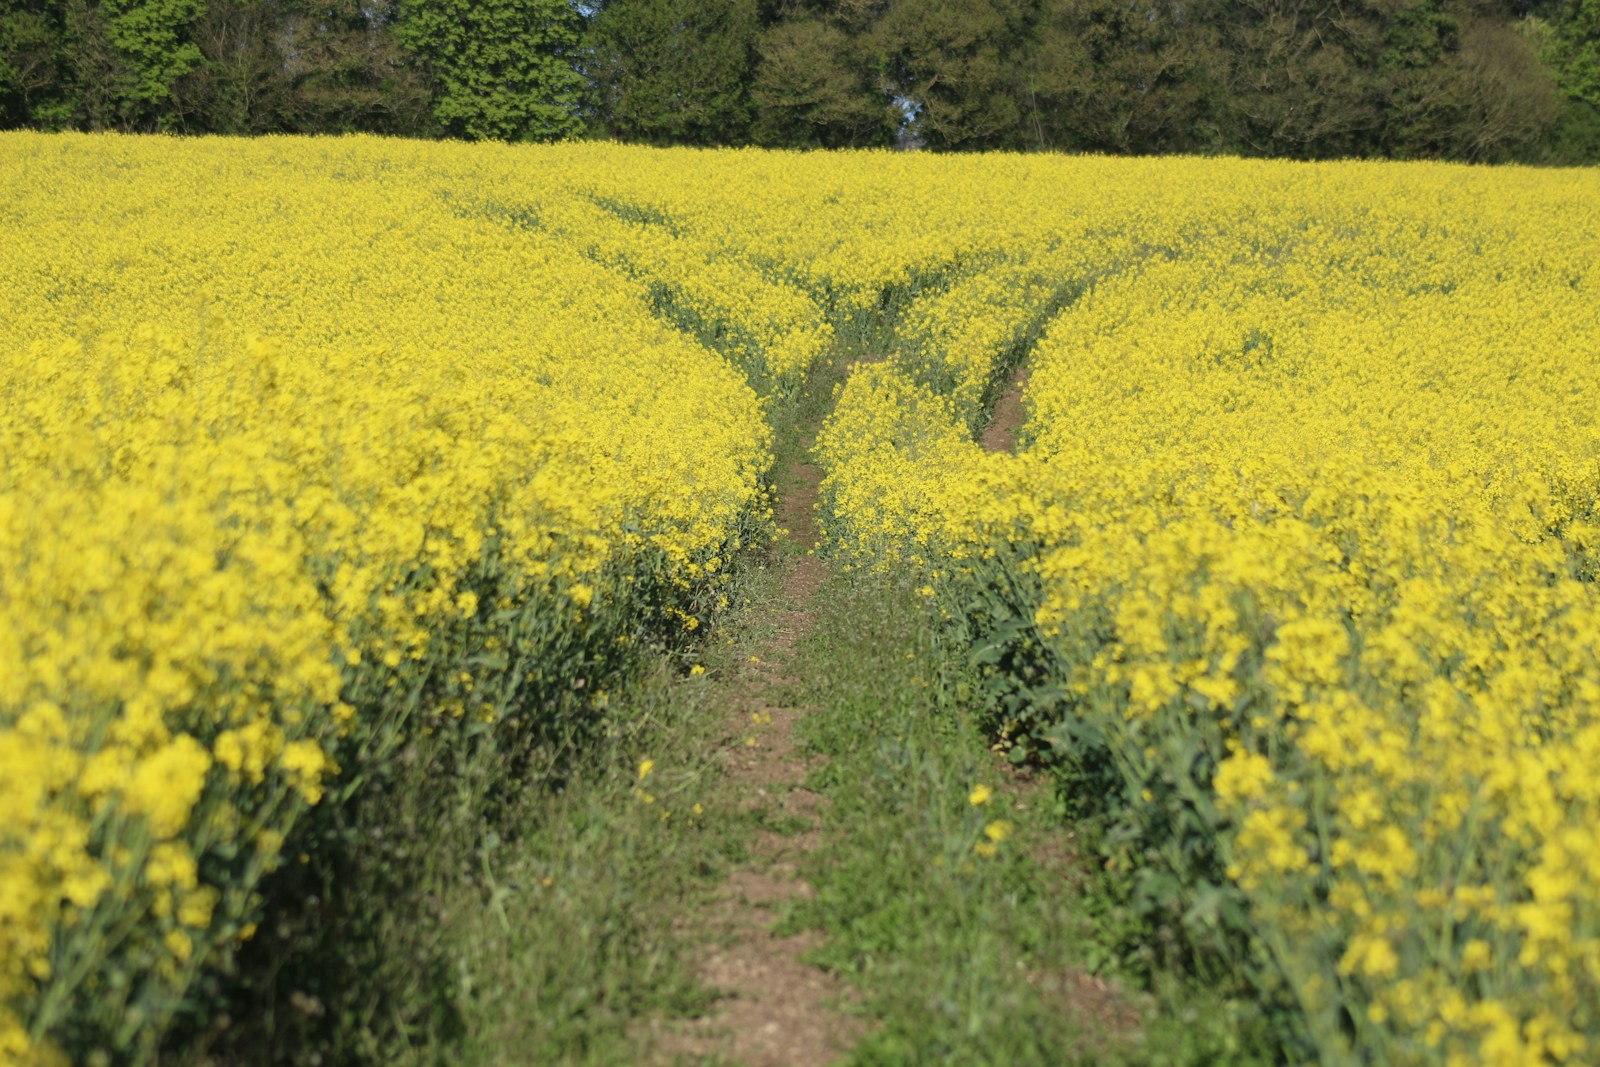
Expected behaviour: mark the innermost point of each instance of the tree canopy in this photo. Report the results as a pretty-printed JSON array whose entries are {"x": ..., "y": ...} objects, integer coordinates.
[{"x": 1479, "y": 80}]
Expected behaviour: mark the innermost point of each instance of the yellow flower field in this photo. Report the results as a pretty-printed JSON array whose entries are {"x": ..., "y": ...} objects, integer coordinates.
[
  {"x": 1301, "y": 555},
  {"x": 312, "y": 444},
  {"x": 287, "y": 437}
]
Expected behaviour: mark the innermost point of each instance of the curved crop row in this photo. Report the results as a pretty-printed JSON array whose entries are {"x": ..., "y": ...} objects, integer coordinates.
[
  {"x": 297, "y": 464},
  {"x": 1295, "y": 590},
  {"x": 775, "y": 332},
  {"x": 312, "y": 447}
]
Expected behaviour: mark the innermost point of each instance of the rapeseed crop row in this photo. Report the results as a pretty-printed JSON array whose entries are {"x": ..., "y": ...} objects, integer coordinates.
[
  {"x": 1294, "y": 586},
  {"x": 774, "y": 331},
  {"x": 299, "y": 460},
  {"x": 311, "y": 447}
]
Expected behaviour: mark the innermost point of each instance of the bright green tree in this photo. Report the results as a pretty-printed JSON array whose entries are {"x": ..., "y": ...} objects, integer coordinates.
[
  {"x": 121, "y": 61},
  {"x": 1566, "y": 34},
  {"x": 1574, "y": 49},
  {"x": 153, "y": 47},
  {"x": 500, "y": 69}
]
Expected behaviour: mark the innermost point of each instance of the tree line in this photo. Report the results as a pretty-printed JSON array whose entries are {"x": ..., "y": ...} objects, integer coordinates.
[{"x": 1481, "y": 80}]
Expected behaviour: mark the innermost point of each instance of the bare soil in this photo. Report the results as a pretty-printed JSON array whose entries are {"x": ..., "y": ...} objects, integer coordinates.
[
  {"x": 1001, "y": 433},
  {"x": 775, "y": 1011}
]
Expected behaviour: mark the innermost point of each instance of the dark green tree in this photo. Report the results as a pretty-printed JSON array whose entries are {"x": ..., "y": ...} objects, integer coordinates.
[
  {"x": 1110, "y": 76},
  {"x": 1415, "y": 78},
  {"x": 241, "y": 85},
  {"x": 32, "y": 88},
  {"x": 498, "y": 69},
  {"x": 815, "y": 86},
  {"x": 349, "y": 72},
  {"x": 1399, "y": 78},
  {"x": 1297, "y": 78},
  {"x": 956, "y": 67},
  {"x": 310, "y": 66},
  {"x": 674, "y": 71}
]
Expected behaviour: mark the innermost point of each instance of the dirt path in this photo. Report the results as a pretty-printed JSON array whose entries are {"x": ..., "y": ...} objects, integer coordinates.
[
  {"x": 1001, "y": 433},
  {"x": 775, "y": 1011}
]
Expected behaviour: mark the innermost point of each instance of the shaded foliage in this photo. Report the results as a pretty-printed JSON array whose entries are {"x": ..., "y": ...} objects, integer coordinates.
[
  {"x": 674, "y": 71},
  {"x": 1478, "y": 80}
]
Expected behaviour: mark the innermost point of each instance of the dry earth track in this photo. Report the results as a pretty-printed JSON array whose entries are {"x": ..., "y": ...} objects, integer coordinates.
[{"x": 776, "y": 1011}]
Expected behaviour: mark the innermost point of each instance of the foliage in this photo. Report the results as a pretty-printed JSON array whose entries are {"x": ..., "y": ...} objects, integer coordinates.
[
  {"x": 500, "y": 70},
  {"x": 1447, "y": 79},
  {"x": 673, "y": 71},
  {"x": 811, "y": 90},
  {"x": 1574, "y": 49},
  {"x": 333, "y": 66},
  {"x": 1102, "y": 76},
  {"x": 152, "y": 50},
  {"x": 30, "y": 65},
  {"x": 953, "y": 63}
]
